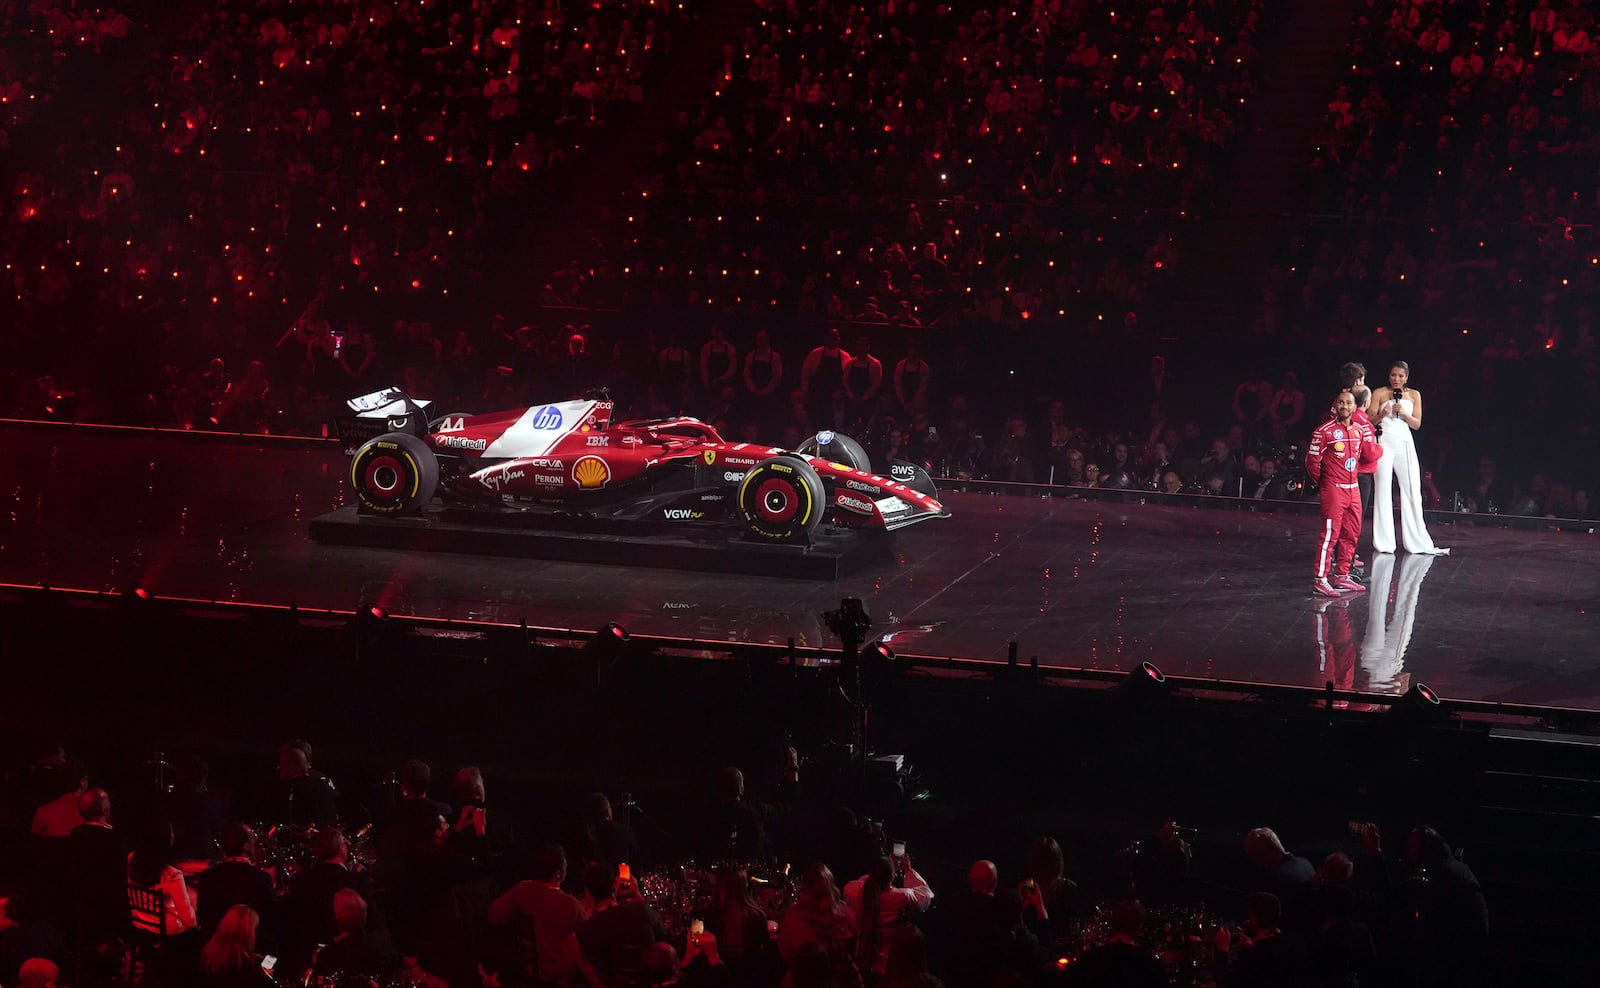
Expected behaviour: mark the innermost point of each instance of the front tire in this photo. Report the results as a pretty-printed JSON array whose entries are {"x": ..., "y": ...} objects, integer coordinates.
[
  {"x": 782, "y": 500},
  {"x": 394, "y": 474}
]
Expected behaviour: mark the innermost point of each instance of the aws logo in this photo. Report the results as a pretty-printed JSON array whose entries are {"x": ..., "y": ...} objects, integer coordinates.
[{"x": 591, "y": 473}]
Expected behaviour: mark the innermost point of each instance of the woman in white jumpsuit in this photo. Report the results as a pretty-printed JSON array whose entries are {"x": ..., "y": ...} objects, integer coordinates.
[{"x": 1397, "y": 410}]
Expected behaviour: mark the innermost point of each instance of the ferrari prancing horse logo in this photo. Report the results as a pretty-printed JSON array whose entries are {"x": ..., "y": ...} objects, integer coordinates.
[{"x": 711, "y": 457}]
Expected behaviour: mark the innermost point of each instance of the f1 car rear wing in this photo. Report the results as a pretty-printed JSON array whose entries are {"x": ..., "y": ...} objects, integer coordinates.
[{"x": 388, "y": 410}]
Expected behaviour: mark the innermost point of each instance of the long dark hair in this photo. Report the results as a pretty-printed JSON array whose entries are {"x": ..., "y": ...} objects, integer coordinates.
[
  {"x": 880, "y": 875},
  {"x": 152, "y": 855}
]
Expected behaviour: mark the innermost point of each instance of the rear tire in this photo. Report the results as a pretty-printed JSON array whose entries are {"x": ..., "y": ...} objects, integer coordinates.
[
  {"x": 836, "y": 447},
  {"x": 782, "y": 500},
  {"x": 394, "y": 474}
]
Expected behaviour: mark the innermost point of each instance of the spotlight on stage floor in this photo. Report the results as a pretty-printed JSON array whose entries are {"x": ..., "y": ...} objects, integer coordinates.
[
  {"x": 608, "y": 640},
  {"x": 879, "y": 652},
  {"x": 604, "y": 648},
  {"x": 1144, "y": 683},
  {"x": 1419, "y": 706}
]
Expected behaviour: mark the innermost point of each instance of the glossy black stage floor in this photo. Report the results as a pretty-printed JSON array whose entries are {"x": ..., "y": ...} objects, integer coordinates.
[{"x": 1511, "y": 616}]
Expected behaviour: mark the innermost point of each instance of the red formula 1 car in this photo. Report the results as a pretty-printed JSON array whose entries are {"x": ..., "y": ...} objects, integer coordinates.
[{"x": 568, "y": 457}]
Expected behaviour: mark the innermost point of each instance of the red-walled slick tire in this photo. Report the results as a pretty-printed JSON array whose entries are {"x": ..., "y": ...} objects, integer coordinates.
[
  {"x": 394, "y": 474},
  {"x": 782, "y": 500}
]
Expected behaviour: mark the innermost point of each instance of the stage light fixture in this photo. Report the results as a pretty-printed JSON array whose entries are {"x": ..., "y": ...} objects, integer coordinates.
[
  {"x": 608, "y": 641},
  {"x": 1144, "y": 682},
  {"x": 1419, "y": 705},
  {"x": 880, "y": 652},
  {"x": 135, "y": 594}
]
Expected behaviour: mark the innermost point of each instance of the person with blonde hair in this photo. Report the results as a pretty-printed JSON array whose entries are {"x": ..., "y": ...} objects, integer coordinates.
[
  {"x": 819, "y": 915},
  {"x": 229, "y": 958}
]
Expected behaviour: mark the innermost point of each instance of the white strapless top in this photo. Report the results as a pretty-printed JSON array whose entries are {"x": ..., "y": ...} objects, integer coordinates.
[{"x": 1393, "y": 422}]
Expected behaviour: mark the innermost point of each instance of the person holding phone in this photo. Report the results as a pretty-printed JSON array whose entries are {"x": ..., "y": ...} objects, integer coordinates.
[
  {"x": 1399, "y": 413},
  {"x": 879, "y": 905},
  {"x": 229, "y": 958}
]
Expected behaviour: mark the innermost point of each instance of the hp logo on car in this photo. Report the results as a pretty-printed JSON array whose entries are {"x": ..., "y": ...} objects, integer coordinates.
[{"x": 545, "y": 418}]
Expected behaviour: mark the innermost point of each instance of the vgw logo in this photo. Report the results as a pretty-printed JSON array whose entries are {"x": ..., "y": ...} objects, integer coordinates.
[
  {"x": 682, "y": 514},
  {"x": 546, "y": 418}
]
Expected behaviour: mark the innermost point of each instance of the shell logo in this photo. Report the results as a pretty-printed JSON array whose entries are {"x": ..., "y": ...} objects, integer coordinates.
[{"x": 590, "y": 473}]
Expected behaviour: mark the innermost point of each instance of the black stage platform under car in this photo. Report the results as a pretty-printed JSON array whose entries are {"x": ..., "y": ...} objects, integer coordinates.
[
  {"x": 1512, "y": 615},
  {"x": 833, "y": 553}
]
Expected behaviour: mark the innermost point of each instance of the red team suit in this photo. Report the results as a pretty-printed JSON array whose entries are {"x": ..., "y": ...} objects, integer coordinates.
[{"x": 1333, "y": 459}]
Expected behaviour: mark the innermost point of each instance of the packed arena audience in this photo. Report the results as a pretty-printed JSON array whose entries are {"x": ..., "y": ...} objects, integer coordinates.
[
  {"x": 252, "y": 213},
  {"x": 288, "y": 877},
  {"x": 250, "y": 184},
  {"x": 1453, "y": 214},
  {"x": 925, "y": 165}
]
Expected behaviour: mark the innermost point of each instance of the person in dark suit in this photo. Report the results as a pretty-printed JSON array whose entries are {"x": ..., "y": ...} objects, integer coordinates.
[
  {"x": 196, "y": 815},
  {"x": 302, "y": 795},
  {"x": 310, "y": 904},
  {"x": 973, "y": 926},
  {"x": 98, "y": 869},
  {"x": 235, "y": 880},
  {"x": 355, "y": 950},
  {"x": 1267, "y": 957},
  {"x": 733, "y": 829},
  {"x": 1120, "y": 962},
  {"x": 409, "y": 807}
]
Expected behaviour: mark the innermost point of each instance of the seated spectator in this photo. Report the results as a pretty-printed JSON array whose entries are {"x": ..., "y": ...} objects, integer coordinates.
[
  {"x": 97, "y": 870},
  {"x": 1282, "y": 873},
  {"x": 1264, "y": 955},
  {"x": 59, "y": 817},
  {"x": 819, "y": 915},
  {"x": 196, "y": 815},
  {"x": 235, "y": 880},
  {"x": 39, "y": 972},
  {"x": 355, "y": 951},
  {"x": 907, "y": 965},
  {"x": 543, "y": 920},
  {"x": 1448, "y": 914},
  {"x": 1122, "y": 961},
  {"x": 973, "y": 925},
  {"x": 1342, "y": 948},
  {"x": 740, "y": 924},
  {"x": 613, "y": 940},
  {"x": 229, "y": 958},
  {"x": 310, "y": 901},
  {"x": 153, "y": 865},
  {"x": 879, "y": 906}
]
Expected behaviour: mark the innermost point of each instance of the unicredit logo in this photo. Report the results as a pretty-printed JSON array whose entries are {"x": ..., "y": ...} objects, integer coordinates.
[{"x": 546, "y": 418}]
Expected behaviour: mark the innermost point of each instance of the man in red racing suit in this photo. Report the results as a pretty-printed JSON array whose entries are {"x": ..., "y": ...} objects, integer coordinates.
[{"x": 1337, "y": 451}]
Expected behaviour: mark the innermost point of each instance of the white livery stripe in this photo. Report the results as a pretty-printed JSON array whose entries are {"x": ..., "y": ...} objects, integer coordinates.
[
  {"x": 1327, "y": 546},
  {"x": 522, "y": 439}
]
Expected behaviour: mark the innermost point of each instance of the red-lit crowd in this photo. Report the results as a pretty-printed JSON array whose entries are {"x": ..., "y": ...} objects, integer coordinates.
[
  {"x": 289, "y": 878},
  {"x": 184, "y": 187},
  {"x": 1454, "y": 208},
  {"x": 236, "y": 217},
  {"x": 936, "y": 165}
]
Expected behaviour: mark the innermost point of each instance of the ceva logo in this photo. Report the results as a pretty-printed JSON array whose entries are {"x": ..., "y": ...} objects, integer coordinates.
[{"x": 546, "y": 418}]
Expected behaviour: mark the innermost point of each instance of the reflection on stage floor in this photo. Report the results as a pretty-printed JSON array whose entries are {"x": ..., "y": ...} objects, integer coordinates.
[{"x": 1510, "y": 615}]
